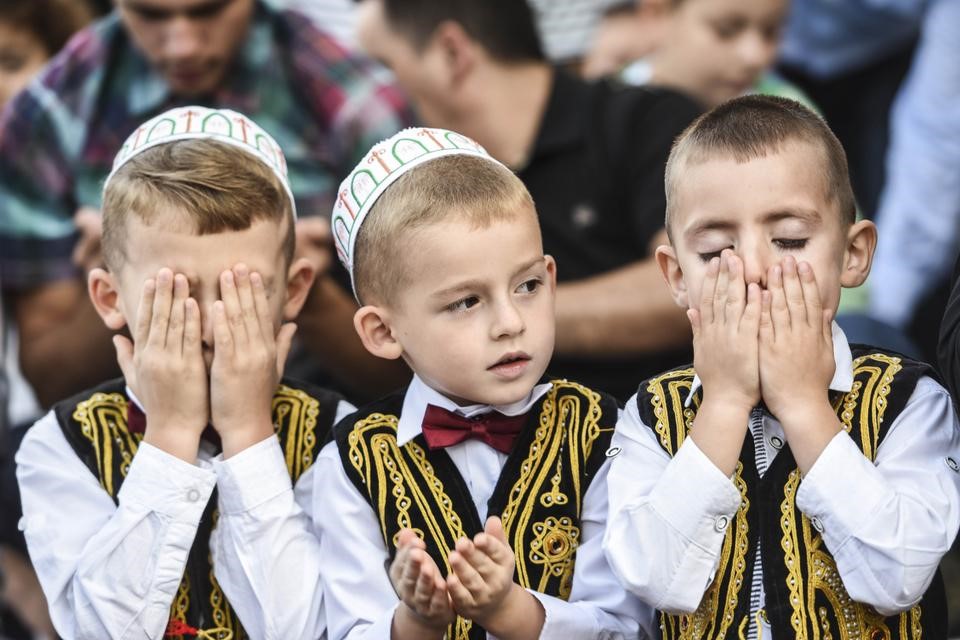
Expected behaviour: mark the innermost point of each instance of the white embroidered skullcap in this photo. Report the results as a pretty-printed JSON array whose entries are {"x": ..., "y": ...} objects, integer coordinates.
[
  {"x": 383, "y": 164},
  {"x": 201, "y": 123}
]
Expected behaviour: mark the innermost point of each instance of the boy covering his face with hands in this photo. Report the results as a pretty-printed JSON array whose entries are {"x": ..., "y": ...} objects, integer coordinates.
[
  {"x": 789, "y": 484},
  {"x": 121, "y": 516}
]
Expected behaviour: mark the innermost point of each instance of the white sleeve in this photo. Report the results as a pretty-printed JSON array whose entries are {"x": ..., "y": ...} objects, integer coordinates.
[
  {"x": 360, "y": 599},
  {"x": 668, "y": 517},
  {"x": 266, "y": 553},
  {"x": 108, "y": 571},
  {"x": 598, "y": 606},
  {"x": 888, "y": 524},
  {"x": 265, "y": 556}
]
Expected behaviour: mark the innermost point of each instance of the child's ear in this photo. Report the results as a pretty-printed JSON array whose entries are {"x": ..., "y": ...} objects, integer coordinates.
[
  {"x": 858, "y": 255},
  {"x": 672, "y": 274},
  {"x": 105, "y": 295},
  {"x": 300, "y": 277},
  {"x": 551, "y": 272},
  {"x": 373, "y": 326}
]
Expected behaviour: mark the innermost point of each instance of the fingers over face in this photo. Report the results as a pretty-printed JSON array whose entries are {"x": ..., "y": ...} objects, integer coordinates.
[
  {"x": 248, "y": 307},
  {"x": 145, "y": 312},
  {"x": 793, "y": 291},
  {"x": 230, "y": 298},
  {"x": 160, "y": 316},
  {"x": 779, "y": 313},
  {"x": 181, "y": 291},
  {"x": 262, "y": 306},
  {"x": 811, "y": 293},
  {"x": 709, "y": 290}
]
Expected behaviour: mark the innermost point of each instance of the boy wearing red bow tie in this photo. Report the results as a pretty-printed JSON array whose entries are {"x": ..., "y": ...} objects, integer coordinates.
[{"x": 473, "y": 502}]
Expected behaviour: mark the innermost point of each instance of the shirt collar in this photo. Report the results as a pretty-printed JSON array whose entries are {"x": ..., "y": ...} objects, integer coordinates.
[
  {"x": 419, "y": 395},
  {"x": 565, "y": 120},
  {"x": 842, "y": 358},
  {"x": 148, "y": 91}
]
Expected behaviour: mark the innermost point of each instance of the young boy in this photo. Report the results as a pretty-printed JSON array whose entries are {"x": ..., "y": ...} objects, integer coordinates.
[
  {"x": 789, "y": 483},
  {"x": 118, "y": 482},
  {"x": 473, "y": 502},
  {"x": 712, "y": 50}
]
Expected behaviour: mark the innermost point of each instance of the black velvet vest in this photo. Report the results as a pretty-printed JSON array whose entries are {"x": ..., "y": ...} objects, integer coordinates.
[
  {"x": 805, "y": 596},
  {"x": 538, "y": 494},
  {"x": 95, "y": 425}
]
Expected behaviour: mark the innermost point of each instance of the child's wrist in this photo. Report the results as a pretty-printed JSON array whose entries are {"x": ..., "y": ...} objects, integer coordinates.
[
  {"x": 242, "y": 437},
  {"x": 407, "y": 623},
  {"x": 516, "y": 605},
  {"x": 180, "y": 443}
]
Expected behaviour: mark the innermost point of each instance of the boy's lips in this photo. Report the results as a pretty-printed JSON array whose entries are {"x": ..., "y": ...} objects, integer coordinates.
[{"x": 511, "y": 365}]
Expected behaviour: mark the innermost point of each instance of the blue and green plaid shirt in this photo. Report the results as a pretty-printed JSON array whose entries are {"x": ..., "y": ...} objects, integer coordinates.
[{"x": 324, "y": 107}]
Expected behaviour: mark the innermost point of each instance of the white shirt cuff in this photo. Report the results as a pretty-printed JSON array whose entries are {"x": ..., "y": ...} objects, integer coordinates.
[
  {"x": 252, "y": 477},
  {"x": 693, "y": 495},
  {"x": 841, "y": 492},
  {"x": 561, "y": 620},
  {"x": 165, "y": 484}
]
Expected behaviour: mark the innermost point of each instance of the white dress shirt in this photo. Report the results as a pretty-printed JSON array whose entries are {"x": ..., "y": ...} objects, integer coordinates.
[
  {"x": 887, "y": 523},
  {"x": 360, "y": 600},
  {"x": 112, "y": 570}
]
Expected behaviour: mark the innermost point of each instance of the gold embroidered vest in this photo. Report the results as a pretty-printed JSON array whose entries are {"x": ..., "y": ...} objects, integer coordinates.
[
  {"x": 95, "y": 425},
  {"x": 805, "y": 596},
  {"x": 538, "y": 494}
]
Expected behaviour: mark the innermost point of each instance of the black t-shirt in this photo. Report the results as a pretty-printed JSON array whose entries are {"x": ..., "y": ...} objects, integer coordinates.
[{"x": 596, "y": 176}]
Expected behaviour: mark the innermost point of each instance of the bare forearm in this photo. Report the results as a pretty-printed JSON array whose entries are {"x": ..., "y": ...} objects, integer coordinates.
[
  {"x": 326, "y": 327},
  {"x": 624, "y": 312},
  {"x": 64, "y": 348}
]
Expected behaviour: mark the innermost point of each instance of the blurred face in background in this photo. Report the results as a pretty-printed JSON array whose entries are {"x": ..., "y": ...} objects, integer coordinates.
[
  {"x": 715, "y": 50},
  {"x": 191, "y": 43},
  {"x": 22, "y": 55}
]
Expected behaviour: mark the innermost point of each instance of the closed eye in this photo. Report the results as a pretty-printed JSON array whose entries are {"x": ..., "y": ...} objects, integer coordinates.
[
  {"x": 790, "y": 244},
  {"x": 710, "y": 255}
]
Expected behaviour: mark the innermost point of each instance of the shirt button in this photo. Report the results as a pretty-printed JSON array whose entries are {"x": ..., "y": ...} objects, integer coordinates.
[
  {"x": 193, "y": 495},
  {"x": 815, "y": 521},
  {"x": 777, "y": 442},
  {"x": 720, "y": 524},
  {"x": 612, "y": 451},
  {"x": 950, "y": 462}
]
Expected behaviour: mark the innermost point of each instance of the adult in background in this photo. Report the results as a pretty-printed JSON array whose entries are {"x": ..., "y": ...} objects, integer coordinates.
[
  {"x": 591, "y": 155},
  {"x": 58, "y": 137}
]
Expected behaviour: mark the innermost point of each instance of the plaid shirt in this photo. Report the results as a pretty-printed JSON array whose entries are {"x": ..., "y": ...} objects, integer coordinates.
[{"x": 58, "y": 138}]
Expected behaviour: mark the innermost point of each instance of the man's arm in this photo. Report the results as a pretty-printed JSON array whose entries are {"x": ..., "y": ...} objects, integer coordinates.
[
  {"x": 623, "y": 312},
  {"x": 64, "y": 346},
  {"x": 326, "y": 328}
]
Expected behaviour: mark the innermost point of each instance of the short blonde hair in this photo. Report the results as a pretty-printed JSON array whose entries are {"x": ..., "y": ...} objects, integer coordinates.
[
  {"x": 214, "y": 186},
  {"x": 456, "y": 187},
  {"x": 752, "y": 126}
]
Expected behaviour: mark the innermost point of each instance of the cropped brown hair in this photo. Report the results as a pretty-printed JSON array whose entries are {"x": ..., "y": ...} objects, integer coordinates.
[
  {"x": 214, "y": 186},
  {"x": 462, "y": 188},
  {"x": 752, "y": 126}
]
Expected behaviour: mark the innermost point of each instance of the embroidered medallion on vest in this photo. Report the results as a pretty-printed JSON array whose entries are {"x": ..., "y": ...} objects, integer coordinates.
[
  {"x": 95, "y": 425},
  {"x": 805, "y": 597},
  {"x": 538, "y": 495}
]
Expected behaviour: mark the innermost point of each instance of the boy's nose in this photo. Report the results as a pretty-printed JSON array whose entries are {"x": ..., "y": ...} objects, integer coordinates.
[
  {"x": 508, "y": 321},
  {"x": 206, "y": 324},
  {"x": 755, "y": 265}
]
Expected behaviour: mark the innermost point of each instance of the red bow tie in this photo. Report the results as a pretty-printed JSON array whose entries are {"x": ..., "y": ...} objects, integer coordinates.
[
  {"x": 137, "y": 423},
  {"x": 442, "y": 428}
]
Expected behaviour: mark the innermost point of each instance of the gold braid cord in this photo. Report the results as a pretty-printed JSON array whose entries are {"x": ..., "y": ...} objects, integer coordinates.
[
  {"x": 821, "y": 607},
  {"x": 102, "y": 419}
]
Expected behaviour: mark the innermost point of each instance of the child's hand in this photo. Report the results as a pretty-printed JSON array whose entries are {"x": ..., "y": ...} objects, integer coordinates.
[
  {"x": 164, "y": 365},
  {"x": 796, "y": 342},
  {"x": 482, "y": 589},
  {"x": 420, "y": 587},
  {"x": 725, "y": 333},
  {"x": 248, "y": 361}
]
